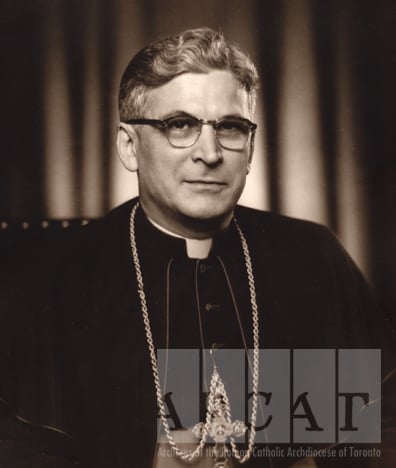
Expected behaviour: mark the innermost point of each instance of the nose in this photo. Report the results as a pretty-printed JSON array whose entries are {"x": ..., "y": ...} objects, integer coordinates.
[{"x": 206, "y": 148}]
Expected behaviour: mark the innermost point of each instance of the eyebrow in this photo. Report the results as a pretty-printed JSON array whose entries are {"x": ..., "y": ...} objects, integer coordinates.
[
  {"x": 180, "y": 113},
  {"x": 233, "y": 116},
  {"x": 177, "y": 113}
]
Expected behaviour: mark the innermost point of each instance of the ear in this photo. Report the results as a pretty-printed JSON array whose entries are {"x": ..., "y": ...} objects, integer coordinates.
[{"x": 127, "y": 140}]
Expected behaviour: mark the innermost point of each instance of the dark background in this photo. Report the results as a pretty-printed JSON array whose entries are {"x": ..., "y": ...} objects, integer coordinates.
[{"x": 326, "y": 110}]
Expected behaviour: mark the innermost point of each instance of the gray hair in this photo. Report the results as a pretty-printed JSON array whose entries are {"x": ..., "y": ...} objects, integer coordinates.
[{"x": 193, "y": 51}]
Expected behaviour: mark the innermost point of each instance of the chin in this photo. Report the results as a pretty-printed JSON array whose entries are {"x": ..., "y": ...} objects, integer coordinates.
[{"x": 207, "y": 211}]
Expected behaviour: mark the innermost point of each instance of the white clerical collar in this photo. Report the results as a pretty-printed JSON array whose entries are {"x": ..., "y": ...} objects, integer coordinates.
[{"x": 196, "y": 248}]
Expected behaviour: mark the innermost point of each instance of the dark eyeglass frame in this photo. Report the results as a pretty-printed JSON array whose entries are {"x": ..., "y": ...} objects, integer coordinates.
[{"x": 163, "y": 125}]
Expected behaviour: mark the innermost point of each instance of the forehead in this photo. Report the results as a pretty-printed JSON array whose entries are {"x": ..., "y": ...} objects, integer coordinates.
[{"x": 205, "y": 95}]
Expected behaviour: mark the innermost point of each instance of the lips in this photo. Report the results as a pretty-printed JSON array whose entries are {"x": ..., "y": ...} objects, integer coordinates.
[
  {"x": 205, "y": 185},
  {"x": 205, "y": 182}
]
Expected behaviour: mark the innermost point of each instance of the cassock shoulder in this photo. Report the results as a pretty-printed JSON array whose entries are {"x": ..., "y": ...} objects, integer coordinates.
[
  {"x": 280, "y": 226},
  {"x": 307, "y": 269},
  {"x": 305, "y": 245}
]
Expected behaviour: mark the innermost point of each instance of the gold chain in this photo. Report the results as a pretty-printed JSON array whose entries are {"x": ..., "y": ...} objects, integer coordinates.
[{"x": 187, "y": 455}]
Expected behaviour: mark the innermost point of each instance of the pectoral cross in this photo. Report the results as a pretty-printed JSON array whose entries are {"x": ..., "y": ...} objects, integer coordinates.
[{"x": 218, "y": 423}]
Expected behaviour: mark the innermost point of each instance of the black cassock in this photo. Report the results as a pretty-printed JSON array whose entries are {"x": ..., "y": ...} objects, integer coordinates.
[{"x": 76, "y": 362}]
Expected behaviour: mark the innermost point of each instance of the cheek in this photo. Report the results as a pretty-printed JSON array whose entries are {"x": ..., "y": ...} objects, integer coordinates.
[
  {"x": 158, "y": 158},
  {"x": 239, "y": 179},
  {"x": 239, "y": 168},
  {"x": 158, "y": 175},
  {"x": 150, "y": 162}
]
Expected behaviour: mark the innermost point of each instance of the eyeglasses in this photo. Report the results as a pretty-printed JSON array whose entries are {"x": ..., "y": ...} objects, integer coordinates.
[{"x": 183, "y": 131}]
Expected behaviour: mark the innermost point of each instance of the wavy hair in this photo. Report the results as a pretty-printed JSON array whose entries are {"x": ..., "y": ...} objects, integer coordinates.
[{"x": 193, "y": 51}]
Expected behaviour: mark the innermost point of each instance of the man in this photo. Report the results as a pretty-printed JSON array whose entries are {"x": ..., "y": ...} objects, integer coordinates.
[{"x": 184, "y": 268}]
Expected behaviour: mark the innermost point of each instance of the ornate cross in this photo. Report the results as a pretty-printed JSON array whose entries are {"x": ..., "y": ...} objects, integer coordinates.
[{"x": 218, "y": 423}]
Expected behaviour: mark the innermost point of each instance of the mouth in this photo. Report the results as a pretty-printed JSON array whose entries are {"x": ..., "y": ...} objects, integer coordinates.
[
  {"x": 205, "y": 182},
  {"x": 207, "y": 185}
]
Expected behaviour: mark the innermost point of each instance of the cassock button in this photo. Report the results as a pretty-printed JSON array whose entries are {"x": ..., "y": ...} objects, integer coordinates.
[
  {"x": 204, "y": 267},
  {"x": 209, "y": 306},
  {"x": 217, "y": 345}
]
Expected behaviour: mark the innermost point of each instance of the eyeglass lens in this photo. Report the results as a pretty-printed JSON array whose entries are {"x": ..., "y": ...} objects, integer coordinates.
[{"x": 184, "y": 131}]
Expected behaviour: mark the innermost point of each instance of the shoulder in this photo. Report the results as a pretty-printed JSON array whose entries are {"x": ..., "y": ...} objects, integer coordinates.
[
  {"x": 76, "y": 261},
  {"x": 296, "y": 245},
  {"x": 288, "y": 232},
  {"x": 99, "y": 237},
  {"x": 110, "y": 224}
]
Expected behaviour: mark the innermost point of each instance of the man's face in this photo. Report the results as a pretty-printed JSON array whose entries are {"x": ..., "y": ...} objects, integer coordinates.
[{"x": 180, "y": 186}]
